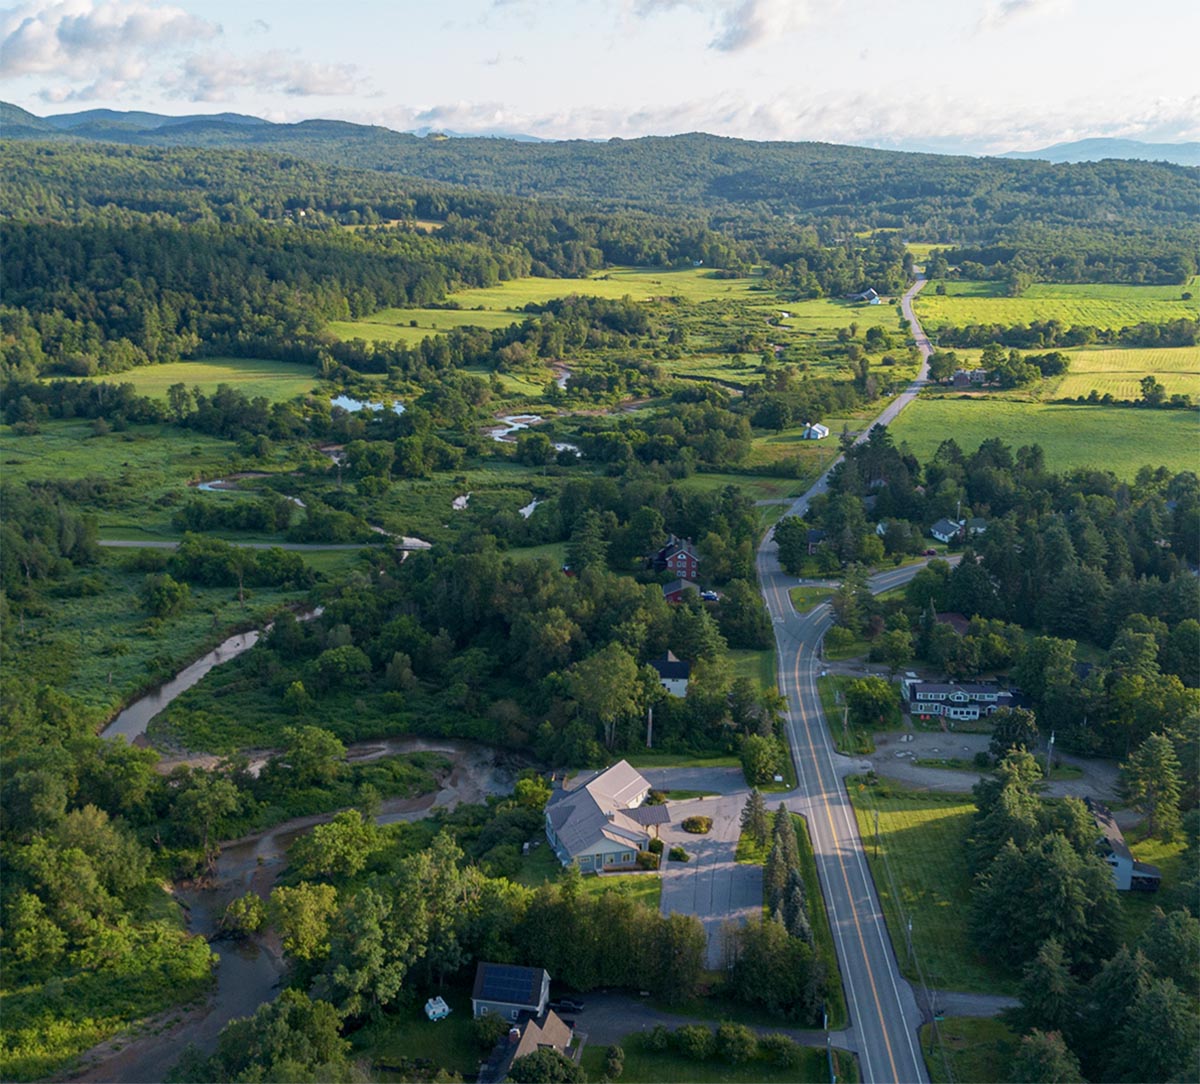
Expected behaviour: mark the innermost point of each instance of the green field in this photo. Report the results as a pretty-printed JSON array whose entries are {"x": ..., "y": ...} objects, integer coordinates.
[
  {"x": 758, "y": 666},
  {"x": 1119, "y": 372},
  {"x": 1086, "y": 304},
  {"x": 275, "y": 380},
  {"x": 645, "y": 1066},
  {"x": 1120, "y": 439},
  {"x": 919, "y": 871},
  {"x": 805, "y": 598},
  {"x": 501, "y": 305},
  {"x": 967, "y": 1048}
]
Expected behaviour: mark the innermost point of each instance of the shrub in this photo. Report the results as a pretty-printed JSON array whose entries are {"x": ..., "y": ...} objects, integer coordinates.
[
  {"x": 698, "y": 826},
  {"x": 982, "y": 761},
  {"x": 647, "y": 860},
  {"x": 614, "y": 1062},
  {"x": 736, "y": 1043},
  {"x": 489, "y": 1030},
  {"x": 695, "y": 1041},
  {"x": 781, "y": 1050},
  {"x": 656, "y": 797},
  {"x": 656, "y": 846},
  {"x": 839, "y": 639},
  {"x": 677, "y": 854},
  {"x": 658, "y": 1038}
]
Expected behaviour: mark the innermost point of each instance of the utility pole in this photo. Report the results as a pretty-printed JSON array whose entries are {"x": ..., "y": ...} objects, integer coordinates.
[
  {"x": 877, "y": 833},
  {"x": 650, "y": 727},
  {"x": 1050, "y": 754}
]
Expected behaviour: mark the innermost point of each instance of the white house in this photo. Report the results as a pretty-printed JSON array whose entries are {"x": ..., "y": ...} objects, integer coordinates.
[
  {"x": 673, "y": 673},
  {"x": 815, "y": 431},
  {"x": 1128, "y": 872},
  {"x": 959, "y": 702},
  {"x": 946, "y": 530},
  {"x": 509, "y": 991},
  {"x": 598, "y": 824}
]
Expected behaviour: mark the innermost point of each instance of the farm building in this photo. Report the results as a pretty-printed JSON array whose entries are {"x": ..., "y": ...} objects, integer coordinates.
[
  {"x": 673, "y": 591},
  {"x": 815, "y": 431},
  {"x": 869, "y": 295},
  {"x": 598, "y": 824},
  {"x": 673, "y": 673},
  {"x": 1127, "y": 871},
  {"x": 965, "y": 378}
]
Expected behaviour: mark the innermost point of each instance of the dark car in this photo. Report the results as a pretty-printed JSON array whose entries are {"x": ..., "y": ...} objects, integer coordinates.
[
  {"x": 709, "y": 596},
  {"x": 566, "y": 1004},
  {"x": 929, "y": 553}
]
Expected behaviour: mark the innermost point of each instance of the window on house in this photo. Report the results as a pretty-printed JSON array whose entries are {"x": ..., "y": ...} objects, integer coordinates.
[{"x": 513, "y": 1014}]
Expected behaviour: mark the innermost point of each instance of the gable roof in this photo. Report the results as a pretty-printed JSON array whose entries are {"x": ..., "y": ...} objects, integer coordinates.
[
  {"x": 671, "y": 668},
  {"x": 1109, "y": 829},
  {"x": 946, "y": 526},
  {"x": 679, "y": 586},
  {"x": 595, "y": 809},
  {"x": 509, "y": 984},
  {"x": 550, "y": 1031},
  {"x": 676, "y": 545}
]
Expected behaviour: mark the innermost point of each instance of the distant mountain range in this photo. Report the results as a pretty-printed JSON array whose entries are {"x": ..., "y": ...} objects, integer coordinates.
[
  {"x": 111, "y": 125},
  {"x": 1095, "y": 150}
]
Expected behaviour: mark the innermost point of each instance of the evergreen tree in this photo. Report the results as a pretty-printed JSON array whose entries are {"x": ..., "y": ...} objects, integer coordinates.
[
  {"x": 1044, "y": 1058},
  {"x": 754, "y": 818},
  {"x": 1150, "y": 782},
  {"x": 1159, "y": 1040},
  {"x": 1049, "y": 993}
]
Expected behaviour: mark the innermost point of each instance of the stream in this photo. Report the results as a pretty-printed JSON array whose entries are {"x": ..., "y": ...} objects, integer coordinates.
[{"x": 250, "y": 972}]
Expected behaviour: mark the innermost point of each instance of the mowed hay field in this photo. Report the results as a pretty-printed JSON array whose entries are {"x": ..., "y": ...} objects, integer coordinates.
[
  {"x": 1119, "y": 373},
  {"x": 1089, "y": 304},
  {"x": 502, "y": 304},
  {"x": 1120, "y": 439},
  {"x": 276, "y": 380}
]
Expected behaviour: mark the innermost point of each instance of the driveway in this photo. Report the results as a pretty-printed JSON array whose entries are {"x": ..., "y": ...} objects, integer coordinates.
[{"x": 712, "y": 886}]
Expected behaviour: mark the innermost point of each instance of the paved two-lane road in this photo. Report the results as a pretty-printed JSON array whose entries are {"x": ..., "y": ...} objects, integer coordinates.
[{"x": 884, "y": 1015}]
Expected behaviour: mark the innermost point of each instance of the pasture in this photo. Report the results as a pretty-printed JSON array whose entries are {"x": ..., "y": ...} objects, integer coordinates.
[
  {"x": 274, "y": 380},
  {"x": 1088, "y": 304},
  {"x": 1121, "y": 439},
  {"x": 1119, "y": 372}
]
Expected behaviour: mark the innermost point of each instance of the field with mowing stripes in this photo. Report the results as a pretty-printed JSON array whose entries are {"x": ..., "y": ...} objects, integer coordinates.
[
  {"x": 1095, "y": 305},
  {"x": 1122, "y": 439},
  {"x": 1119, "y": 372}
]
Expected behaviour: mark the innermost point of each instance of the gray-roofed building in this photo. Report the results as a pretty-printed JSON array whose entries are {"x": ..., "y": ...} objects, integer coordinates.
[
  {"x": 1128, "y": 872},
  {"x": 673, "y": 591},
  {"x": 508, "y": 991},
  {"x": 946, "y": 530},
  {"x": 960, "y": 702},
  {"x": 673, "y": 673},
  {"x": 594, "y": 824}
]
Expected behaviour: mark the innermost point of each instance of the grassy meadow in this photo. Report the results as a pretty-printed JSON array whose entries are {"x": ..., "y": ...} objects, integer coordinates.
[
  {"x": 1091, "y": 304},
  {"x": 1121, "y": 439},
  {"x": 920, "y": 871},
  {"x": 971, "y": 1048},
  {"x": 277, "y": 381}
]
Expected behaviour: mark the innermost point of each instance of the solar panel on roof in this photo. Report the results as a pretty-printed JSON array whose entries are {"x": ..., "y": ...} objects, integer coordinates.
[{"x": 504, "y": 982}]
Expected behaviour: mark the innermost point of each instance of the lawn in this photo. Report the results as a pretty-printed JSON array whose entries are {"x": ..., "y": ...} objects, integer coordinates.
[
  {"x": 407, "y": 1035},
  {"x": 758, "y": 666},
  {"x": 968, "y": 1048},
  {"x": 644, "y": 1066},
  {"x": 919, "y": 872},
  {"x": 274, "y": 380},
  {"x": 1121, "y": 439},
  {"x": 1137, "y": 908},
  {"x": 1088, "y": 304},
  {"x": 541, "y": 866},
  {"x": 1119, "y": 372},
  {"x": 805, "y": 598},
  {"x": 755, "y": 486}
]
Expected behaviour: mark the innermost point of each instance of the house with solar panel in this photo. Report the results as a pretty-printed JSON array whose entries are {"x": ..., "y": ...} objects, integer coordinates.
[
  {"x": 509, "y": 992},
  {"x": 600, "y": 823}
]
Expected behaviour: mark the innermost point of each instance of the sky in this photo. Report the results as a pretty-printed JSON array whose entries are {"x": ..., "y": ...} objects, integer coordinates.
[{"x": 962, "y": 76}]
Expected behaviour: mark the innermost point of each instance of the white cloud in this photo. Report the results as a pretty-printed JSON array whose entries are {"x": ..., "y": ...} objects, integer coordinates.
[
  {"x": 106, "y": 41},
  {"x": 999, "y": 13},
  {"x": 750, "y": 22},
  {"x": 215, "y": 77}
]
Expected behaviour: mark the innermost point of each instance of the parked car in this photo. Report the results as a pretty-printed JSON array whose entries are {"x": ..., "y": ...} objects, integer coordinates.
[
  {"x": 929, "y": 553},
  {"x": 566, "y": 1004},
  {"x": 709, "y": 596}
]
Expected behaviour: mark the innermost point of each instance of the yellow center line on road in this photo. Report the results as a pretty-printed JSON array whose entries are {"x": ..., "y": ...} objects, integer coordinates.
[{"x": 845, "y": 876}]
